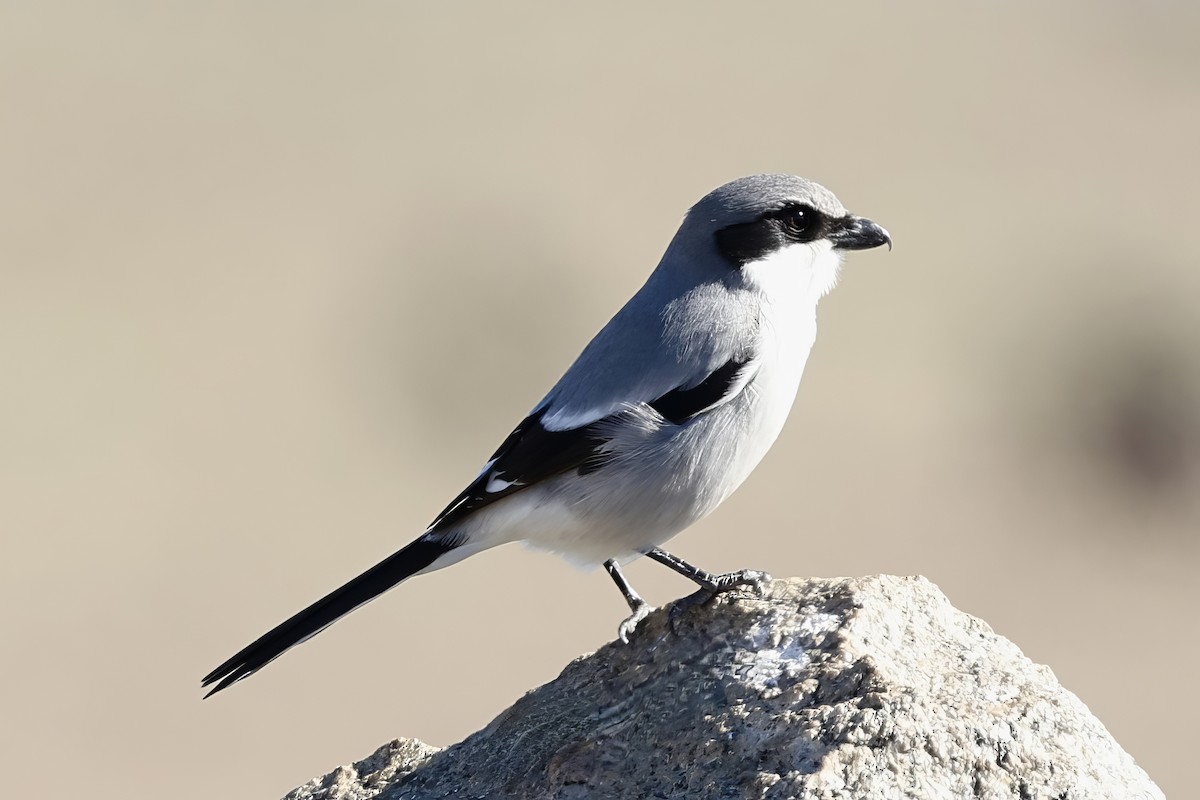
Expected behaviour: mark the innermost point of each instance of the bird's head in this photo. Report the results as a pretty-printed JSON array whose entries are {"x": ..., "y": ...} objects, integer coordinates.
[{"x": 768, "y": 229}]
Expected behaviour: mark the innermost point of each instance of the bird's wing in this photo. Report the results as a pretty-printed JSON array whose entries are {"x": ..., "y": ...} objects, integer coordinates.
[{"x": 533, "y": 452}]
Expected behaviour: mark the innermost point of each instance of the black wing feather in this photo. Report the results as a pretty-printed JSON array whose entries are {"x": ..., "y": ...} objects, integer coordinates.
[
  {"x": 532, "y": 454},
  {"x": 680, "y": 405}
]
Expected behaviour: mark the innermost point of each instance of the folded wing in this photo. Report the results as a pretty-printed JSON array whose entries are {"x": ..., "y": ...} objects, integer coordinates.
[{"x": 532, "y": 453}]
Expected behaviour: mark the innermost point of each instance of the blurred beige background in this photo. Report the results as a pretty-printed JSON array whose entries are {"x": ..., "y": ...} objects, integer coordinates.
[{"x": 276, "y": 278}]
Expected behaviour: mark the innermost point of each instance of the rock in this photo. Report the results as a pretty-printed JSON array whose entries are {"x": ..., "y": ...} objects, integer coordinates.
[
  {"x": 366, "y": 779},
  {"x": 844, "y": 688}
]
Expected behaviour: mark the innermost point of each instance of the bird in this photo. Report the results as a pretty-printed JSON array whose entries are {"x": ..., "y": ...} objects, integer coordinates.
[{"x": 661, "y": 417}]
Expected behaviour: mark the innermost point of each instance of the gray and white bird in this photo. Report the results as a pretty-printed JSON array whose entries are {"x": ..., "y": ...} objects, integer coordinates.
[{"x": 664, "y": 414}]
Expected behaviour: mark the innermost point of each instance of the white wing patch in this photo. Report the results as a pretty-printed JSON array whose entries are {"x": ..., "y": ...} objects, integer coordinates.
[{"x": 497, "y": 484}]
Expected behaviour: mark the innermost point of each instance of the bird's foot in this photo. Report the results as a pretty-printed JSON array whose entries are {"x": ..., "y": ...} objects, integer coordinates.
[
  {"x": 713, "y": 585},
  {"x": 626, "y": 628},
  {"x": 716, "y": 584}
]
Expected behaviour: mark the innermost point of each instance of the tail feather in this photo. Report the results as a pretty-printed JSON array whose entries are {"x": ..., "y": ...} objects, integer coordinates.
[{"x": 308, "y": 623}]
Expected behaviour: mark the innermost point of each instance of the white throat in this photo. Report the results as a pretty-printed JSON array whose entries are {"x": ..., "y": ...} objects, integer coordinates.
[{"x": 809, "y": 271}]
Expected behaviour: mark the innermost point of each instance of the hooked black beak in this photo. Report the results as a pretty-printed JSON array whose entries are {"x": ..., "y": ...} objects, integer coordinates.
[{"x": 858, "y": 233}]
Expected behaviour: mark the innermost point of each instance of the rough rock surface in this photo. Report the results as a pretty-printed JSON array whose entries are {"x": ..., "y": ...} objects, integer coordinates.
[{"x": 847, "y": 688}]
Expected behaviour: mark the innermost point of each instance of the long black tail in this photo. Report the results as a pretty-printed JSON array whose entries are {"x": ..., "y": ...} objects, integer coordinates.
[{"x": 378, "y": 579}]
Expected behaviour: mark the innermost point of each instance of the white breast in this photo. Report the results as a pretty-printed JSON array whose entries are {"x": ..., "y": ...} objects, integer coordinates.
[{"x": 789, "y": 283}]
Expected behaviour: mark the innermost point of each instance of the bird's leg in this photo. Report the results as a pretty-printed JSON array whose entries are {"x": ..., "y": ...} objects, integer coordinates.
[
  {"x": 640, "y": 608},
  {"x": 710, "y": 584}
]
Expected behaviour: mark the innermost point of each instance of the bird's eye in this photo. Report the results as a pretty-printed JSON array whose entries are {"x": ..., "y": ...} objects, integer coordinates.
[
  {"x": 771, "y": 231},
  {"x": 800, "y": 223}
]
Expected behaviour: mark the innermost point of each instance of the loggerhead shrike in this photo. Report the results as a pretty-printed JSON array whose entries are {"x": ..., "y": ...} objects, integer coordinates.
[{"x": 661, "y": 417}]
